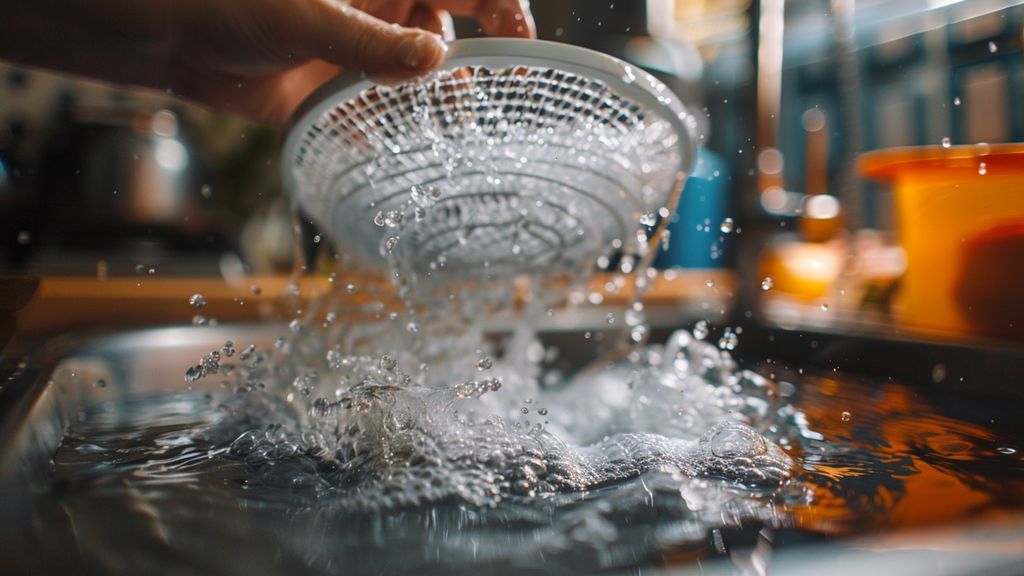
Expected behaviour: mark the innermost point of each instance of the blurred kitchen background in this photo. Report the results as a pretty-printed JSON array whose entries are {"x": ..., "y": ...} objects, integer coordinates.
[{"x": 783, "y": 220}]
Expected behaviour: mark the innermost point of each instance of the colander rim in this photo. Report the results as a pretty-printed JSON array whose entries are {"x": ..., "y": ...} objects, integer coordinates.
[{"x": 644, "y": 88}]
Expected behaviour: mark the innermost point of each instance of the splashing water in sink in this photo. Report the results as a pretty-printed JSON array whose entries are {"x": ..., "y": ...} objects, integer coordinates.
[
  {"x": 407, "y": 414},
  {"x": 445, "y": 433}
]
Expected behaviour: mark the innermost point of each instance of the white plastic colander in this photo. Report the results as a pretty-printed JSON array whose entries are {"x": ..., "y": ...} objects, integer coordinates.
[{"x": 518, "y": 155}]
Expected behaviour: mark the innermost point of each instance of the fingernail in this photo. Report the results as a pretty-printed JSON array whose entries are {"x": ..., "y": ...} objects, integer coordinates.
[{"x": 420, "y": 52}]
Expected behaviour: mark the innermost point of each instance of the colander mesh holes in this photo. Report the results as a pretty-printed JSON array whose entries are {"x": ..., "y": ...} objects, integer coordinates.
[{"x": 496, "y": 142}]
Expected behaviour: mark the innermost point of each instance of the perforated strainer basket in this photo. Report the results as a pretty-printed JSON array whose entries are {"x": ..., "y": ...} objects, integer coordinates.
[{"x": 517, "y": 155}]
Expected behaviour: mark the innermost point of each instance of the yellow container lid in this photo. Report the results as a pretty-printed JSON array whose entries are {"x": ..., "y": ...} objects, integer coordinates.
[{"x": 913, "y": 161}]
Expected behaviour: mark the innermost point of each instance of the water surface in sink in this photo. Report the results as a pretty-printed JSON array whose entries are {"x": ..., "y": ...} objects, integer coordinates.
[{"x": 149, "y": 476}]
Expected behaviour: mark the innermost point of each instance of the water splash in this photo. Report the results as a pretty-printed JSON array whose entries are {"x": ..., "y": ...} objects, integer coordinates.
[
  {"x": 471, "y": 217},
  {"x": 396, "y": 438}
]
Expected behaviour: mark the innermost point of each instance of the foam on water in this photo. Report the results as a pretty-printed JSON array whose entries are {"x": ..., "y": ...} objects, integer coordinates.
[{"x": 389, "y": 430}]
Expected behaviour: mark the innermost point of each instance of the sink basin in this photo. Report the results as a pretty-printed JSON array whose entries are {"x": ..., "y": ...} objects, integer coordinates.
[{"x": 948, "y": 496}]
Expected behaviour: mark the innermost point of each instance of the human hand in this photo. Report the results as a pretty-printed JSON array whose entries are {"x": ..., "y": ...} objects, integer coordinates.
[
  {"x": 262, "y": 57},
  {"x": 258, "y": 58}
]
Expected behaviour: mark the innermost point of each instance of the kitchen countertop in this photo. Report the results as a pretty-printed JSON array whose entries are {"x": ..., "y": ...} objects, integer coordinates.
[{"x": 65, "y": 304}]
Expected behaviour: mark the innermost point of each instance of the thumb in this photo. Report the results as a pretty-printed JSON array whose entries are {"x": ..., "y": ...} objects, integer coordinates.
[{"x": 355, "y": 40}]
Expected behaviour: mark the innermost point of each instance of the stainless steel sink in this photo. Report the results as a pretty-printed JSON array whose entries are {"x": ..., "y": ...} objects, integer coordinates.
[{"x": 46, "y": 386}]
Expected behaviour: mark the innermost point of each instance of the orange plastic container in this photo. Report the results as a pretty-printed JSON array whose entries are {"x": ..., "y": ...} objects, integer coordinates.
[{"x": 960, "y": 218}]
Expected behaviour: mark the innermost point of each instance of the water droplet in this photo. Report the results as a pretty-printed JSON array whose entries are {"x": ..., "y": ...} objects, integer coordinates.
[
  {"x": 628, "y": 76},
  {"x": 316, "y": 239},
  {"x": 633, "y": 315},
  {"x": 542, "y": 411},
  {"x": 700, "y": 329},
  {"x": 524, "y": 410},
  {"x": 193, "y": 374},
  {"x": 330, "y": 319},
  {"x": 334, "y": 359},
  {"x": 727, "y": 226},
  {"x": 24, "y": 238},
  {"x": 767, "y": 283},
  {"x": 350, "y": 288},
  {"x": 295, "y": 326},
  {"x": 845, "y": 416},
  {"x": 824, "y": 307},
  {"x": 729, "y": 340},
  {"x": 946, "y": 142},
  {"x": 649, "y": 219},
  {"x": 100, "y": 383},
  {"x": 982, "y": 169},
  {"x": 710, "y": 282},
  {"x": 200, "y": 320},
  {"x": 609, "y": 318},
  {"x": 425, "y": 196},
  {"x": 228, "y": 350},
  {"x": 247, "y": 352},
  {"x": 412, "y": 327},
  {"x": 206, "y": 191},
  {"x": 484, "y": 363},
  {"x": 393, "y": 218},
  {"x": 378, "y": 219},
  {"x": 390, "y": 244},
  {"x": 992, "y": 47},
  {"x": 255, "y": 289},
  {"x": 197, "y": 300},
  {"x": 387, "y": 363},
  {"x": 956, "y": 101},
  {"x": 1006, "y": 450}
]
